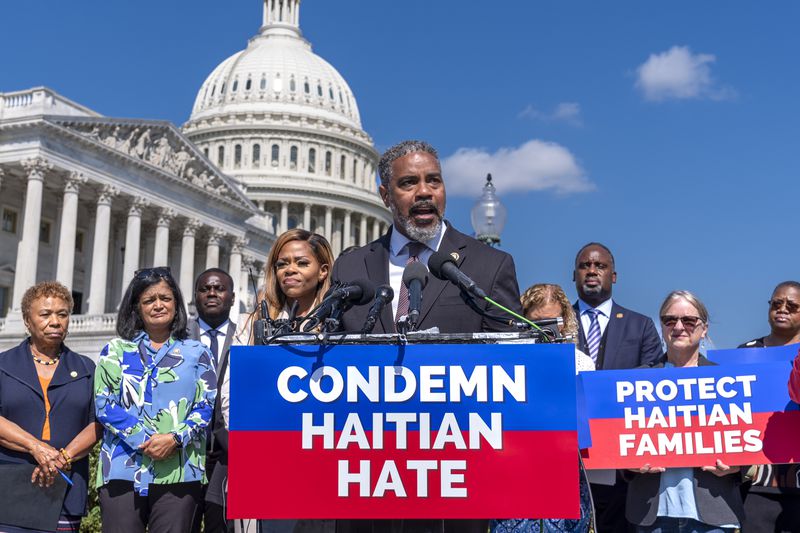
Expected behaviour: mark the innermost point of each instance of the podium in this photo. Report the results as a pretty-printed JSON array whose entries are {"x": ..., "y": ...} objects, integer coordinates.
[{"x": 416, "y": 426}]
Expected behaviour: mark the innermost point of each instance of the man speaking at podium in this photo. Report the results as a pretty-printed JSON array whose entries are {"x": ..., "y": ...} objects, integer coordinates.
[{"x": 412, "y": 186}]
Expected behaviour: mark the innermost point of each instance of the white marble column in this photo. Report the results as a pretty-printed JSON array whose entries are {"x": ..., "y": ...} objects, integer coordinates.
[
  {"x": 284, "y": 217},
  {"x": 329, "y": 223},
  {"x": 187, "y": 260},
  {"x": 245, "y": 286},
  {"x": 212, "y": 249},
  {"x": 102, "y": 226},
  {"x": 336, "y": 239},
  {"x": 347, "y": 239},
  {"x": 235, "y": 265},
  {"x": 362, "y": 231},
  {"x": 376, "y": 229},
  {"x": 133, "y": 238},
  {"x": 307, "y": 217},
  {"x": 28, "y": 246},
  {"x": 161, "y": 250},
  {"x": 69, "y": 222}
]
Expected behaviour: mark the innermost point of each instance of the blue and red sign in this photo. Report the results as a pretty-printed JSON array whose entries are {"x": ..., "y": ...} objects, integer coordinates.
[
  {"x": 671, "y": 417},
  {"x": 417, "y": 431}
]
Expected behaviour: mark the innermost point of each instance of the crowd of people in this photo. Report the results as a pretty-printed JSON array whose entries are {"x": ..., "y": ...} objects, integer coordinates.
[{"x": 158, "y": 398}]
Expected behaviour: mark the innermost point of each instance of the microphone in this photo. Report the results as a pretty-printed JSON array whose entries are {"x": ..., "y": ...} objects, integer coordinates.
[
  {"x": 383, "y": 295},
  {"x": 443, "y": 267},
  {"x": 415, "y": 277},
  {"x": 339, "y": 299}
]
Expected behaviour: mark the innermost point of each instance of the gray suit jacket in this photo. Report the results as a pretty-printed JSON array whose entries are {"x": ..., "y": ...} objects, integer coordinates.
[{"x": 442, "y": 304}]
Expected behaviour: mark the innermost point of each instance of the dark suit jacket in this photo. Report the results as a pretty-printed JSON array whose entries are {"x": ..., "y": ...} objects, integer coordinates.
[
  {"x": 71, "y": 396},
  {"x": 630, "y": 340},
  {"x": 718, "y": 499},
  {"x": 218, "y": 443},
  {"x": 442, "y": 304}
]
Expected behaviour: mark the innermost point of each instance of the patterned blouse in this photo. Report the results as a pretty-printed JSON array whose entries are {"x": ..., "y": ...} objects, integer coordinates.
[{"x": 140, "y": 392}]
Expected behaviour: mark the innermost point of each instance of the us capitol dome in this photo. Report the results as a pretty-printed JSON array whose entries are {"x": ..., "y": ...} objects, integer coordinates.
[{"x": 284, "y": 124}]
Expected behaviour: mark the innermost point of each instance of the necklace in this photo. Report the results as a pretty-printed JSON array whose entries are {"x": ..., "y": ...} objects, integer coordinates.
[{"x": 46, "y": 363}]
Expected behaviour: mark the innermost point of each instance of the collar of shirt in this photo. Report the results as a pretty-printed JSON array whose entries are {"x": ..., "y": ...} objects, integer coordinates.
[
  {"x": 204, "y": 327},
  {"x": 398, "y": 256},
  {"x": 602, "y": 318},
  {"x": 398, "y": 242}
]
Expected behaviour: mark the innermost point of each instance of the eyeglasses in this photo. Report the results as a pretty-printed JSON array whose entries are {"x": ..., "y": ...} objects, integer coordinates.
[
  {"x": 157, "y": 272},
  {"x": 791, "y": 306},
  {"x": 689, "y": 322}
]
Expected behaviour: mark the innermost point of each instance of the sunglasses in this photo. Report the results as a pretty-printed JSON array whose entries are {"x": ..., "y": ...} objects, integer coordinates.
[
  {"x": 157, "y": 272},
  {"x": 689, "y": 322},
  {"x": 791, "y": 306}
]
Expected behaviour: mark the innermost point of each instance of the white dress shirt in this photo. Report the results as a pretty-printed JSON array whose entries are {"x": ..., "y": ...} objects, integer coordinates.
[
  {"x": 602, "y": 317},
  {"x": 398, "y": 257},
  {"x": 205, "y": 336}
]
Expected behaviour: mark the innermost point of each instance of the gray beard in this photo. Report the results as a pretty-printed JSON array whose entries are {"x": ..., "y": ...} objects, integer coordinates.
[{"x": 413, "y": 232}]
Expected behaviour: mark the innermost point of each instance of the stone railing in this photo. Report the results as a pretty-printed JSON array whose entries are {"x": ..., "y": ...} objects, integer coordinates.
[{"x": 93, "y": 323}]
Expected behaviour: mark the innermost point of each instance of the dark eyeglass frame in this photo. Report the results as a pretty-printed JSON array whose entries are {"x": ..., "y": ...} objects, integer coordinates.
[
  {"x": 791, "y": 306},
  {"x": 689, "y": 322},
  {"x": 160, "y": 272}
]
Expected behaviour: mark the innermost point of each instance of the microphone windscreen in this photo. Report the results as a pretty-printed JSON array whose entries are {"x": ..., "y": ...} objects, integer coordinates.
[
  {"x": 367, "y": 291},
  {"x": 385, "y": 293},
  {"x": 437, "y": 261},
  {"x": 415, "y": 271}
]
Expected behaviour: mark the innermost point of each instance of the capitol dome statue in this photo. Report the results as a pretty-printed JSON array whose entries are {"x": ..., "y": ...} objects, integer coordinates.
[{"x": 284, "y": 124}]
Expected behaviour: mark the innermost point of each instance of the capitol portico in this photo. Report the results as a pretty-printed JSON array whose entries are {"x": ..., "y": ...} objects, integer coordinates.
[{"x": 88, "y": 200}]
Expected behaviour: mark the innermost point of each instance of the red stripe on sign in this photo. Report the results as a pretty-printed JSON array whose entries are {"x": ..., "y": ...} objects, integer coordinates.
[
  {"x": 771, "y": 438},
  {"x": 535, "y": 475}
]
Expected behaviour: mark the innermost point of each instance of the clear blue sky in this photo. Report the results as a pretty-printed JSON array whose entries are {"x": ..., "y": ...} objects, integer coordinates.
[{"x": 667, "y": 130}]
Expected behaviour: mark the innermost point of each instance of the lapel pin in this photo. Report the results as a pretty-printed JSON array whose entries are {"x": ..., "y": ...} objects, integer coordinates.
[
  {"x": 455, "y": 256},
  {"x": 73, "y": 374},
  {"x": 620, "y": 315}
]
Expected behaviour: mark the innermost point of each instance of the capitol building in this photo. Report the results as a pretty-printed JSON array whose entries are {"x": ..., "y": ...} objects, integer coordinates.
[{"x": 274, "y": 142}]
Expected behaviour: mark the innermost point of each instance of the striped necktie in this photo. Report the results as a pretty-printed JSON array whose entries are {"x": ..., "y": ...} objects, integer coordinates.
[
  {"x": 593, "y": 336},
  {"x": 414, "y": 250}
]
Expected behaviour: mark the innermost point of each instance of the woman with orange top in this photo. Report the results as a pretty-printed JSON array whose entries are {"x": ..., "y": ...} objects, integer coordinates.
[{"x": 47, "y": 405}]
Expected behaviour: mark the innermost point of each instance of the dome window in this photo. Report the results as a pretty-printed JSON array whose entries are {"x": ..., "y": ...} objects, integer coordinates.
[
  {"x": 330, "y": 93},
  {"x": 343, "y": 167},
  {"x": 213, "y": 90},
  {"x": 263, "y": 82},
  {"x": 278, "y": 85},
  {"x": 237, "y": 156},
  {"x": 205, "y": 152},
  {"x": 319, "y": 90},
  {"x": 328, "y": 163},
  {"x": 355, "y": 170},
  {"x": 235, "y": 86},
  {"x": 222, "y": 91},
  {"x": 256, "y": 155},
  {"x": 341, "y": 100},
  {"x": 292, "y": 85},
  {"x": 307, "y": 87},
  {"x": 220, "y": 156},
  {"x": 312, "y": 160},
  {"x": 293, "y": 158},
  {"x": 276, "y": 153},
  {"x": 248, "y": 85}
]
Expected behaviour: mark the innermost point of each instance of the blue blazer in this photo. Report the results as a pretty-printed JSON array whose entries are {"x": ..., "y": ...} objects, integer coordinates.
[
  {"x": 629, "y": 341},
  {"x": 71, "y": 398}
]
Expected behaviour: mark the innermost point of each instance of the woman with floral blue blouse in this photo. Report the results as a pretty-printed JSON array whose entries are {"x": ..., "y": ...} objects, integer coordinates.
[{"x": 154, "y": 394}]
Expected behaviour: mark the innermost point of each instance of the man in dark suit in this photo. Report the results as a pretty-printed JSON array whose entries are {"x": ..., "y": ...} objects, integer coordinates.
[
  {"x": 615, "y": 338},
  {"x": 412, "y": 186},
  {"x": 214, "y": 297}
]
